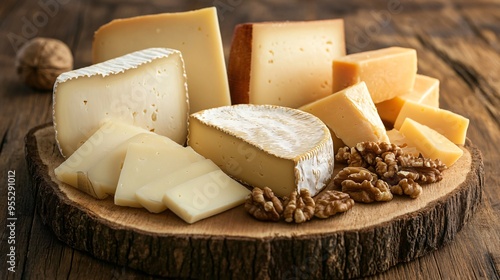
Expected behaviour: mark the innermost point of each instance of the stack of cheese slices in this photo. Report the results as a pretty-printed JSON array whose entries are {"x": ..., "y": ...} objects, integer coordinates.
[{"x": 157, "y": 122}]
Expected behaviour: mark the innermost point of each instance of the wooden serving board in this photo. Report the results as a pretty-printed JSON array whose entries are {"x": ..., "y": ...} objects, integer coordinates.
[{"x": 368, "y": 239}]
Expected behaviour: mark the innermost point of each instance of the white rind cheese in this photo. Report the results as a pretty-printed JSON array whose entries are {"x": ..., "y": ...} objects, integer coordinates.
[
  {"x": 265, "y": 145},
  {"x": 145, "y": 88}
]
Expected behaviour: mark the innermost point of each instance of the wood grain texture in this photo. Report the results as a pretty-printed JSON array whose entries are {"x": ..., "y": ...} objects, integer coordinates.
[
  {"x": 361, "y": 243},
  {"x": 456, "y": 41}
]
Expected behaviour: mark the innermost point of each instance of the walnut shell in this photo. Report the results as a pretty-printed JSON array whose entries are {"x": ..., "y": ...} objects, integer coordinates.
[{"x": 41, "y": 60}]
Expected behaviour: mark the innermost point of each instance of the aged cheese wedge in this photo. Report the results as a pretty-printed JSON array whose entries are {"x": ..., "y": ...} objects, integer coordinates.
[
  {"x": 265, "y": 145},
  {"x": 195, "y": 33},
  {"x": 425, "y": 91},
  {"x": 399, "y": 139},
  {"x": 145, "y": 88},
  {"x": 351, "y": 115},
  {"x": 145, "y": 163},
  {"x": 75, "y": 169},
  {"x": 430, "y": 143},
  {"x": 453, "y": 126},
  {"x": 205, "y": 196},
  {"x": 388, "y": 72},
  {"x": 150, "y": 196},
  {"x": 284, "y": 63}
]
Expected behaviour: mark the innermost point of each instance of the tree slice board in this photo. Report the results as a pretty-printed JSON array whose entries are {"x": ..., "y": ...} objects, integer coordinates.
[{"x": 368, "y": 239}]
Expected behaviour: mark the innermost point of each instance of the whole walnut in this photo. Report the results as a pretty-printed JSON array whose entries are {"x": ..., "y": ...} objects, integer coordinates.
[{"x": 41, "y": 60}]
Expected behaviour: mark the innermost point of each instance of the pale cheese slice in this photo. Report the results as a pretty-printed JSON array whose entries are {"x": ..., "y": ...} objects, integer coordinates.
[
  {"x": 145, "y": 88},
  {"x": 264, "y": 145},
  {"x": 351, "y": 115},
  {"x": 430, "y": 143},
  {"x": 145, "y": 163},
  {"x": 75, "y": 169},
  {"x": 205, "y": 196},
  {"x": 150, "y": 196},
  {"x": 195, "y": 33},
  {"x": 284, "y": 63}
]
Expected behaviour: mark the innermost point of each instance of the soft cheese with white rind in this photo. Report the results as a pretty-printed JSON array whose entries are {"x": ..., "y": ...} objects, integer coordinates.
[
  {"x": 205, "y": 196},
  {"x": 265, "y": 145},
  {"x": 145, "y": 88},
  {"x": 195, "y": 33},
  {"x": 75, "y": 169},
  {"x": 145, "y": 163},
  {"x": 150, "y": 196}
]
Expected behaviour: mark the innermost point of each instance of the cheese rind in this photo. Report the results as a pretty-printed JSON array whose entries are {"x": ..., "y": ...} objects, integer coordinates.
[
  {"x": 388, "y": 72},
  {"x": 205, "y": 196},
  {"x": 145, "y": 88},
  {"x": 147, "y": 162},
  {"x": 430, "y": 143},
  {"x": 284, "y": 63},
  {"x": 453, "y": 126},
  {"x": 425, "y": 91},
  {"x": 195, "y": 33},
  {"x": 265, "y": 145},
  {"x": 150, "y": 196},
  {"x": 76, "y": 170},
  {"x": 351, "y": 115}
]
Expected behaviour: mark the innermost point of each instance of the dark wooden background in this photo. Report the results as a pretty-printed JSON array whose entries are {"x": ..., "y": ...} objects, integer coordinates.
[{"x": 457, "y": 42}]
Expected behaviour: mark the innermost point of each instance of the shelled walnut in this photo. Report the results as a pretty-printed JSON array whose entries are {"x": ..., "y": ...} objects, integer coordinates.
[
  {"x": 264, "y": 205},
  {"x": 332, "y": 202},
  {"x": 407, "y": 187},
  {"x": 41, "y": 60},
  {"x": 299, "y": 207}
]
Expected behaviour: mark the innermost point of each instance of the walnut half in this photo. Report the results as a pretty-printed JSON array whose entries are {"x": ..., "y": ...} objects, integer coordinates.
[
  {"x": 332, "y": 202},
  {"x": 263, "y": 205},
  {"x": 299, "y": 207}
]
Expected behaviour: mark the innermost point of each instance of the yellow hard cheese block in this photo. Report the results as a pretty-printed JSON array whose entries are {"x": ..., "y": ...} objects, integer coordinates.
[
  {"x": 453, "y": 126},
  {"x": 425, "y": 91},
  {"x": 205, "y": 196},
  {"x": 397, "y": 138},
  {"x": 388, "y": 72},
  {"x": 150, "y": 196},
  {"x": 351, "y": 115},
  {"x": 430, "y": 143},
  {"x": 195, "y": 34},
  {"x": 78, "y": 170},
  {"x": 264, "y": 145},
  {"x": 145, "y": 163}
]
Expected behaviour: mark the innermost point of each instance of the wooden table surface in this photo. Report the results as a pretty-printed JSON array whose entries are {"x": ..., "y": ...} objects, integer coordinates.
[{"x": 457, "y": 42}]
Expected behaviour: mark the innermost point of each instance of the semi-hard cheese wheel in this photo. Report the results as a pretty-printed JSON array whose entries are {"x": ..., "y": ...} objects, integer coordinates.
[
  {"x": 284, "y": 63},
  {"x": 195, "y": 33},
  {"x": 264, "y": 145},
  {"x": 145, "y": 88}
]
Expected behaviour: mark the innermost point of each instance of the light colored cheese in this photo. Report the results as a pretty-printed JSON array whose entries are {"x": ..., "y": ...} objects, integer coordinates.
[
  {"x": 265, "y": 145},
  {"x": 388, "y": 72},
  {"x": 104, "y": 174},
  {"x": 150, "y": 196},
  {"x": 146, "y": 88},
  {"x": 284, "y": 63},
  {"x": 399, "y": 139},
  {"x": 430, "y": 143},
  {"x": 195, "y": 33},
  {"x": 351, "y": 115},
  {"x": 205, "y": 196},
  {"x": 75, "y": 169},
  {"x": 453, "y": 126},
  {"x": 145, "y": 163},
  {"x": 425, "y": 91}
]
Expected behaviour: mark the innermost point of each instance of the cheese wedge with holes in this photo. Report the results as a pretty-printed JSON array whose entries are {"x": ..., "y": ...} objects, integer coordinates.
[
  {"x": 453, "y": 126},
  {"x": 351, "y": 115},
  {"x": 430, "y": 143},
  {"x": 284, "y": 63},
  {"x": 147, "y": 162},
  {"x": 150, "y": 196},
  {"x": 265, "y": 145},
  {"x": 145, "y": 88},
  {"x": 388, "y": 72},
  {"x": 195, "y": 33},
  {"x": 205, "y": 196},
  {"x": 75, "y": 170},
  {"x": 425, "y": 91}
]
